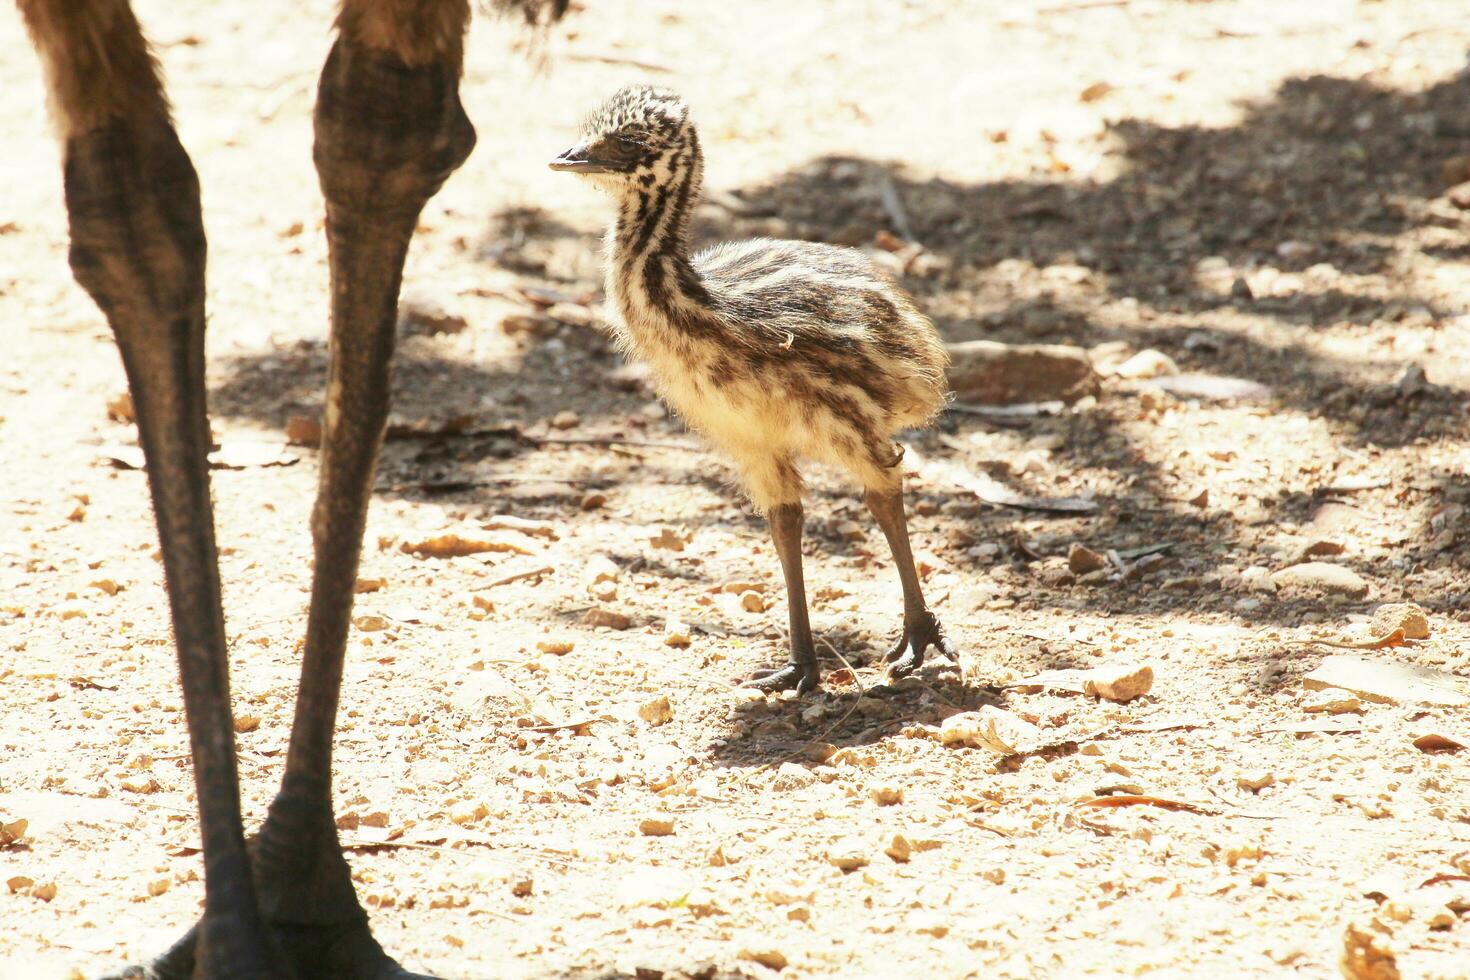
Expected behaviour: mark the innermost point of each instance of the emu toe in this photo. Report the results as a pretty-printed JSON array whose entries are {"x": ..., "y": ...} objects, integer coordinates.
[
  {"x": 918, "y": 636},
  {"x": 802, "y": 678}
]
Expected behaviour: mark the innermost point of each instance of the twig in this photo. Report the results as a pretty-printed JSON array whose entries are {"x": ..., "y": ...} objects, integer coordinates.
[
  {"x": 601, "y": 441},
  {"x": 894, "y": 206},
  {"x": 1068, "y": 8},
  {"x": 608, "y": 58}
]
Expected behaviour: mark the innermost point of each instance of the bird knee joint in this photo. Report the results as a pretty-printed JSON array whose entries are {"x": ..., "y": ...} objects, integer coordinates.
[
  {"x": 387, "y": 135},
  {"x": 132, "y": 200}
]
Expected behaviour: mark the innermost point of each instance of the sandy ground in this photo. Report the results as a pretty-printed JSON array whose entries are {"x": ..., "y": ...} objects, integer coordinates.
[{"x": 1257, "y": 190}]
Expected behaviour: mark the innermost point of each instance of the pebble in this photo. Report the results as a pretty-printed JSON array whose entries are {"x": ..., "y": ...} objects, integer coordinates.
[
  {"x": 1257, "y": 579},
  {"x": 655, "y": 827},
  {"x": 1406, "y": 616},
  {"x": 676, "y": 633},
  {"x": 657, "y": 712},
  {"x": 899, "y": 849},
  {"x": 597, "y": 616},
  {"x": 1120, "y": 683},
  {"x": 1334, "y": 579},
  {"x": 1333, "y": 701},
  {"x": 886, "y": 795},
  {"x": 771, "y": 958},
  {"x": 790, "y": 776},
  {"x": 847, "y": 855},
  {"x": 1255, "y": 781},
  {"x": 1082, "y": 559},
  {"x": 753, "y": 601},
  {"x": 566, "y": 420},
  {"x": 1147, "y": 364}
]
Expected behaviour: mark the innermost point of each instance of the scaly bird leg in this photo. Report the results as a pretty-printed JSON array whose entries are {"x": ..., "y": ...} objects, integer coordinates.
[
  {"x": 389, "y": 130},
  {"x": 802, "y": 672},
  {"x": 137, "y": 246},
  {"x": 921, "y": 629}
]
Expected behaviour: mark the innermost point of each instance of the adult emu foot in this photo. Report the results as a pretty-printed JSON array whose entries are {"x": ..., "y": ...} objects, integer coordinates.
[
  {"x": 800, "y": 677},
  {"x": 919, "y": 634},
  {"x": 314, "y": 926}
]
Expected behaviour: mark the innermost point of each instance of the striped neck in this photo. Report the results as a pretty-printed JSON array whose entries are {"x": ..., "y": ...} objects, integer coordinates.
[{"x": 650, "y": 238}]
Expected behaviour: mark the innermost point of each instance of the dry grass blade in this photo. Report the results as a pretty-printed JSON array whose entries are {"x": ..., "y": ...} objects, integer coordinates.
[{"x": 1109, "y": 802}]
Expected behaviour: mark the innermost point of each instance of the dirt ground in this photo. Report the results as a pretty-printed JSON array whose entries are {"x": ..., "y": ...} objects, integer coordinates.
[{"x": 1257, "y": 190}]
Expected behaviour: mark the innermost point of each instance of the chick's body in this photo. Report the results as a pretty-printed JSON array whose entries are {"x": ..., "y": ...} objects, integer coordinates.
[
  {"x": 774, "y": 350},
  {"x": 794, "y": 350}
]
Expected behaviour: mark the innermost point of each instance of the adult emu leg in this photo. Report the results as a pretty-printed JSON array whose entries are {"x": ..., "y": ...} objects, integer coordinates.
[
  {"x": 137, "y": 246},
  {"x": 389, "y": 130}
]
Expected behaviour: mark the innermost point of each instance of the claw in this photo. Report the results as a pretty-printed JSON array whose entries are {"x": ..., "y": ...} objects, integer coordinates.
[
  {"x": 792, "y": 676},
  {"x": 907, "y": 654}
]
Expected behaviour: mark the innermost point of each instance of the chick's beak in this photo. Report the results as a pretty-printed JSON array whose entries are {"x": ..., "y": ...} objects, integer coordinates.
[{"x": 577, "y": 159}]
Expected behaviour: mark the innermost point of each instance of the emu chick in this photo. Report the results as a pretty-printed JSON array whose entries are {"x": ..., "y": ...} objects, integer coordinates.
[{"x": 775, "y": 350}]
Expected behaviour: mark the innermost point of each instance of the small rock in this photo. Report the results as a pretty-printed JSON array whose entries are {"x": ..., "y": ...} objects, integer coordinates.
[
  {"x": 303, "y": 431},
  {"x": 753, "y": 601},
  {"x": 1081, "y": 559},
  {"x": 657, "y": 712},
  {"x": 45, "y": 892},
  {"x": 990, "y": 373},
  {"x": 1257, "y": 579},
  {"x": 1333, "y": 701},
  {"x": 1146, "y": 364},
  {"x": 593, "y": 501},
  {"x": 740, "y": 587},
  {"x": 851, "y": 531},
  {"x": 566, "y": 420},
  {"x": 527, "y": 324},
  {"x": 1364, "y": 957},
  {"x": 992, "y": 728},
  {"x": 1321, "y": 575},
  {"x": 668, "y": 539},
  {"x": 428, "y": 317},
  {"x": 1255, "y": 781},
  {"x": 555, "y": 647},
  {"x": 790, "y": 776},
  {"x": 1120, "y": 683},
  {"x": 900, "y": 849},
  {"x": 120, "y": 408},
  {"x": 655, "y": 827},
  {"x": 468, "y": 812},
  {"x": 1406, "y": 616},
  {"x": 847, "y": 855},
  {"x": 886, "y": 795},
  {"x": 370, "y": 623},
  {"x": 1388, "y": 683},
  {"x": 677, "y": 633},
  {"x": 771, "y": 958},
  {"x": 1459, "y": 196},
  {"x": 1455, "y": 170},
  {"x": 522, "y": 887},
  {"x": 246, "y": 723},
  {"x": 597, "y": 616}
]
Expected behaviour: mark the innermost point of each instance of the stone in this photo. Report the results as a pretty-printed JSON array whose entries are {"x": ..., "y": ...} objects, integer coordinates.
[
  {"x": 597, "y": 616},
  {"x": 1121, "y": 683},
  {"x": 989, "y": 373},
  {"x": 1082, "y": 559},
  {"x": 1322, "y": 576},
  {"x": 1388, "y": 683},
  {"x": 1406, "y": 616},
  {"x": 1146, "y": 364},
  {"x": 655, "y": 827},
  {"x": 657, "y": 712}
]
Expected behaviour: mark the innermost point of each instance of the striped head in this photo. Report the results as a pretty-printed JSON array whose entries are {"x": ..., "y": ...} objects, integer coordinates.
[{"x": 639, "y": 139}]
